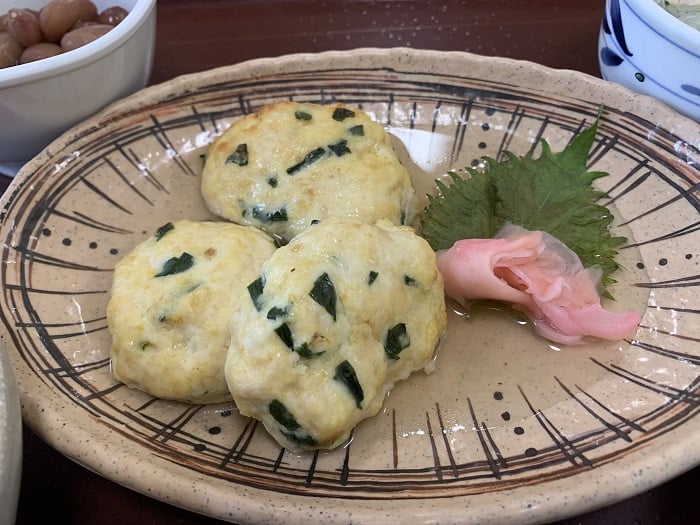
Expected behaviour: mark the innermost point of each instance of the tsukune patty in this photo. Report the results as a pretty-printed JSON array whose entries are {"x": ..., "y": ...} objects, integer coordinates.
[
  {"x": 171, "y": 302},
  {"x": 292, "y": 163},
  {"x": 332, "y": 321}
]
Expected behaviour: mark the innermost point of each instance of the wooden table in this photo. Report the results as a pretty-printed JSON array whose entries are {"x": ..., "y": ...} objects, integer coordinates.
[{"x": 198, "y": 35}]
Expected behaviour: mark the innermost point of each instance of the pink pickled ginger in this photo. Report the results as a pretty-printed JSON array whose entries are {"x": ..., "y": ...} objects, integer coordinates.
[{"x": 538, "y": 275}]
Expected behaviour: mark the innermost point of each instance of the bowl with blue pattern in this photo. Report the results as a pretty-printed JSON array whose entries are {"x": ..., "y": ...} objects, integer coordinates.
[{"x": 646, "y": 48}]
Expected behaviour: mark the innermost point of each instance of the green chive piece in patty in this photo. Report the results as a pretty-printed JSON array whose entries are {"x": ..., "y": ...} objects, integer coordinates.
[
  {"x": 239, "y": 156},
  {"x": 397, "y": 339},
  {"x": 340, "y": 148},
  {"x": 283, "y": 416},
  {"x": 285, "y": 334},
  {"x": 323, "y": 292},
  {"x": 357, "y": 131},
  {"x": 311, "y": 157},
  {"x": 255, "y": 289},
  {"x": 340, "y": 114},
  {"x": 176, "y": 265},
  {"x": 293, "y": 429},
  {"x": 304, "y": 350},
  {"x": 409, "y": 281},
  {"x": 160, "y": 232},
  {"x": 279, "y": 215},
  {"x": 276, "y": 312},
  {"x": 345, "y": 373}
]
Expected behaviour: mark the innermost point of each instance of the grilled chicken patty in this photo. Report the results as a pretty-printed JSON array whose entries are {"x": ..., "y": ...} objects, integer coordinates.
[
  {"x": 291, "y": 164},
  {"x": 334, "y": 319}
]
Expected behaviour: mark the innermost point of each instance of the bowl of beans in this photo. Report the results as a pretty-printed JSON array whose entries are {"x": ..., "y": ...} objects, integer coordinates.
[
  {"x": 653, "y": 47},
  {"x": 62, "y": 61}
]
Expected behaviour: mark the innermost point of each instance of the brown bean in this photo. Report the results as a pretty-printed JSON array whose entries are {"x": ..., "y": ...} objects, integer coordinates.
[
  {"x": 24, "y": 26},
  {"x": 83, "y": 23},
  {"x": 39, "y": 51},
  {"x": 83, "y": 35},
  {"x": 10, "y": 50},
  {"x": 58, "y": 16},
  {"x": 112, "y": 15}
]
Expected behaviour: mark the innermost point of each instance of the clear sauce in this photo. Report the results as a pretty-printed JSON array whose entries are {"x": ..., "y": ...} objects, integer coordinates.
[
  {"x": 491, "y": 358},
  {"x": 494, "y": 364}
]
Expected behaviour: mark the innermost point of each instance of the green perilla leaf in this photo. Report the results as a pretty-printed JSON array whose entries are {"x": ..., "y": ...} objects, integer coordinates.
[{"x": 553, "y": 193}]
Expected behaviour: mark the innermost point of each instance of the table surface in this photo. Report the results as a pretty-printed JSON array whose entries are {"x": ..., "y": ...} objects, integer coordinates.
[{"x": 198, "y": 35}]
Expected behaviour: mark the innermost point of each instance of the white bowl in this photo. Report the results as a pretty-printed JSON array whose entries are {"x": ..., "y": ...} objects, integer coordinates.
[
  {"x": 648, "y": 50},
  {"x": 40, "y": 100}
]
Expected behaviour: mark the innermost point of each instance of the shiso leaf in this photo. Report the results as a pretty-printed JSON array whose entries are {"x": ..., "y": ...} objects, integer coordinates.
[{"x": 553, "y": 193}]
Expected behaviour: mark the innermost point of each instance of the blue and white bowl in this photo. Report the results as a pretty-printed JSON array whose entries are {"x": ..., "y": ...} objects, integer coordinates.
[{"x": 648, "y": 50}]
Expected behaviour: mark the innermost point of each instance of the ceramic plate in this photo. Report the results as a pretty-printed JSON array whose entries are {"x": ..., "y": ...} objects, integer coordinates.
[{"x": 506, "y": 428}]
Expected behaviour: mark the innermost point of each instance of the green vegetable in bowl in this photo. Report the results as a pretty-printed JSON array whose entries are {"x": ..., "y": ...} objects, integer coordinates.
[{"x": 686, "y": 11}]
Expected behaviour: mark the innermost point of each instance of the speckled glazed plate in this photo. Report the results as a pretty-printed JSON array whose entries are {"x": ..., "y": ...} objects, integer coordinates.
[{"x": 507, "y": 428}]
